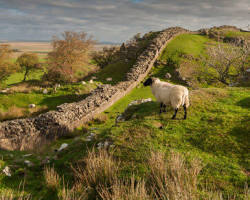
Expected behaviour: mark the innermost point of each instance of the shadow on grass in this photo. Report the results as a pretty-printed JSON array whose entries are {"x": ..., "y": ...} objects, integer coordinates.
[
  {"x": 245, "y": 103},
  {"x": 53, "y": 102},
  {"x": 150, "y": 109},
  {"x": 117, "y": 71}
]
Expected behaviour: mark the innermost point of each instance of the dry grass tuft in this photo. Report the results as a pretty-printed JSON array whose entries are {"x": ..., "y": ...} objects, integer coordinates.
[
  {"x": 101, "y": 118},
  {"x": 15, "y": 112},
  {"x": 12, "y": 113},
  {"x": 73, "y": 194},
  {"x": 125, "y": 190},
  {"x": 19, "y": 195},
  {"x": 51, "y": 177},
  {"x": 100, "y": 169},
  {"x": 11, "y": 196},
  {"x": 172, "y": 178}
]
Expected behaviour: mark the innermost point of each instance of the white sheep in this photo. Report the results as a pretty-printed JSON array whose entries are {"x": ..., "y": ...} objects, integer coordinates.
[{"x": 167, "y": 93}]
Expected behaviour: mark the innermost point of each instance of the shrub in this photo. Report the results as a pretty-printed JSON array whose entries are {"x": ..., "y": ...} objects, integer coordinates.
[
  {"x": 28, "y": 63},
  {"x": 69, "y": 55},
  {"x": 225, "y": 62}
]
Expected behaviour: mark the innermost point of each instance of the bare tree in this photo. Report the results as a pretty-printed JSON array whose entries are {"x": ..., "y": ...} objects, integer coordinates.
[{"x": 227, "y": 61}]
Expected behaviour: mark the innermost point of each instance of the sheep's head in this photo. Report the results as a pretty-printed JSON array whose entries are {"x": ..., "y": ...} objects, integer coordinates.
[{"x": 149, "y": 81}]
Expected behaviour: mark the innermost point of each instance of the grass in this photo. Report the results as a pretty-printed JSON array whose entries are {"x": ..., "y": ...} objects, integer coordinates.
[
  {"x": 116, "y": 71},
  {"x": 232, "y": 34},
  {"x": 190, "y": 44},
  {"x": 18, "y": 77},
  {"x": 215, "y": 134},
  {"x": 43, "y": 102}
]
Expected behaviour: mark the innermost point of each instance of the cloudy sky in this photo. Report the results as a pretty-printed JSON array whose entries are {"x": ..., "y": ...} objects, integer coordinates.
[{"x": 114, "y": 20}]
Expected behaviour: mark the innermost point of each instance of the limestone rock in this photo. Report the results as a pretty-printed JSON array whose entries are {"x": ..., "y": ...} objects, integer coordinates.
[
  {"x": 32, "y": 106},
  {"x": 45, "y": 91},
  {"x": 109, "y": 79},
  {"x": 63, "y": 146},
  {"x": 168, "y": 76},
  {"x": 7, "y": 171}
]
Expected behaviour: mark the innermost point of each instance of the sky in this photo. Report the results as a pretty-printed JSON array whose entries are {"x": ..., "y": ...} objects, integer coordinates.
[{"x": 114, "y": 20}]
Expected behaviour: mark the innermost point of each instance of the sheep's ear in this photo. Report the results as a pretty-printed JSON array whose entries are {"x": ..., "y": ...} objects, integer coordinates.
[{"x": 153, "y": 79}]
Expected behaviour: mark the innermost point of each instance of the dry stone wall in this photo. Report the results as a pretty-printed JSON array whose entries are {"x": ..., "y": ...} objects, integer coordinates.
[{"x": 28, "y": 133}]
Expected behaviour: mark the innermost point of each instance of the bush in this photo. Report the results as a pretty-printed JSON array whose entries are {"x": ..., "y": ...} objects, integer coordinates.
[
  {"x": 68, "y": 56},
  {"x": 28, "y": 62}
]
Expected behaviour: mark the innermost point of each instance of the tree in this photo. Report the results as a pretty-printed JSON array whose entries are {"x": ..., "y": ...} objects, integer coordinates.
[
  {"x": 28, "y": 62},
  {"x": 227, "y": 61},
  {"x": 69, "y": 54},
  {"x": 6, "y": 67}
]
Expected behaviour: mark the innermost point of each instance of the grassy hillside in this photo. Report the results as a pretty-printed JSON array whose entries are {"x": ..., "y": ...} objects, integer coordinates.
[{"x": 216, "y": 133}]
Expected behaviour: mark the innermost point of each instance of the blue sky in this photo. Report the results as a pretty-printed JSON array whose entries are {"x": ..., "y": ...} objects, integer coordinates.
[{"x": 114, "y": 20}]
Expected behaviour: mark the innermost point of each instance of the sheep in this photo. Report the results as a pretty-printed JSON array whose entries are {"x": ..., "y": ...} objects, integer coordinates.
[{"x": 167, "y": 93}]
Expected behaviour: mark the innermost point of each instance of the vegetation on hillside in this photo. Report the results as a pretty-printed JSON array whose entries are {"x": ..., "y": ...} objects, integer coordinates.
[
  {"x": 147, "y": 156},
  {"x": 203, "y": 62},
  {"x": 27, "y": 81}
]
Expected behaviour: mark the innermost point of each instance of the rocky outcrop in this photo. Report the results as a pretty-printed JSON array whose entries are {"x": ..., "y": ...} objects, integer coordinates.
[
  {"x": 29, "y": 133},
  {"x": 218, "y": 33}
]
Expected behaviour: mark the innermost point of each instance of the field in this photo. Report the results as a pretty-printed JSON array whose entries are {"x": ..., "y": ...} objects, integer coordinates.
[
  {"x": 41, "y": 48},
  {"x": 23, "y": 94},
  {"x": 215, "y": 134}
]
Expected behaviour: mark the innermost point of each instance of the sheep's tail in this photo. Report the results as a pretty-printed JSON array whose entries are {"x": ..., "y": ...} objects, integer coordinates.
[{"x": 186, "y": 100}]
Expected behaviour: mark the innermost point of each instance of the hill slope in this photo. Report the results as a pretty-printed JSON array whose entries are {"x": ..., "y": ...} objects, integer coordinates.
[{"x": 216, "y": 132}]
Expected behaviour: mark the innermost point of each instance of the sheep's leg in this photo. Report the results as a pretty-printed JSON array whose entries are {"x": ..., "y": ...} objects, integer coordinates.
[
  {"x": 161, "y": 108},
  {"x": 185, "y": 111},
  {"x": 176, "y": 110},
  {"x": 164, "y": 108}
]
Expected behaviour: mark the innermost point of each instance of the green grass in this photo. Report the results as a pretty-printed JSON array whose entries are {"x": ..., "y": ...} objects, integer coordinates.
[
  {"x": 116, "y": 71},
  {"x": 216, "y": 131},
  {"x": 190, "y": 44},
  {"x": 18, "y": 77},
  {"x": 232, "y": 34},
  {"x": 44, "y": 102}
]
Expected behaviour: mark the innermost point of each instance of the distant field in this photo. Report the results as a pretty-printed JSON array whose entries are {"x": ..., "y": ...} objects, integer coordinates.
[{"x": 41, "y": 48}]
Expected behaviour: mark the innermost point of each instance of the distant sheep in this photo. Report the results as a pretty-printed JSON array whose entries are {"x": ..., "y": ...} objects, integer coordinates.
[{"x": 167, "y": 93}]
